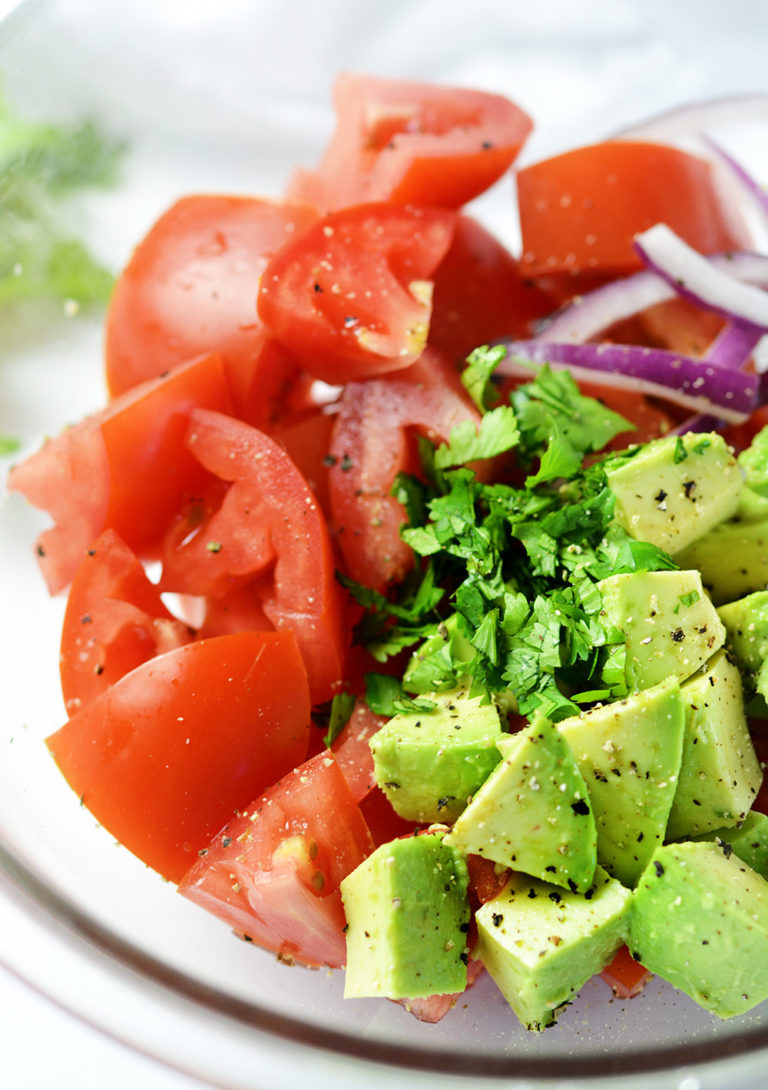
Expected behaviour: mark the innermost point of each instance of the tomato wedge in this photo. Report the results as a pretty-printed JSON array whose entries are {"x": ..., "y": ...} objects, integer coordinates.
[
  {"x": 124, "y": 468},
  {"x": 167, "y": 753},
  {"x": 580, "y": 211},
  {"x": 191, "y": 286},
  {"x": 481, "y": 294},
  {"x": 351, "y": 296},
  {"x": 273, "y": 872},
  {"x": 268, "y": 515},
  {"x": 115, "y": 619},
  {"x": 370, "y": 447},
  {"x": 406, "y": 141}
]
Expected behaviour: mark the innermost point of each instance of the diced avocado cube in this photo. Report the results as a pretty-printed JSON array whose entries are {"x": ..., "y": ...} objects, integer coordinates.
[
  {"x": 753, "y": 463},
  {"x": 675, "y": 489},
  {"x": 541, "y": 944},
  {"x": 746, "y": 624},
  {"x": 752, "y": 506},
  {"x": 407, "y": 920},
  {"x": 533, "y": 812},
  {"x": 700, "y": 920},
  {"x": 720, "y": 774},
  {"x": 629, "y": 753},
  {"x": 429, "y": 763},
  {"x": 732, "y": 559},
  {"x": 669, "y": 625},
  {"x": 748, "y": 840}
]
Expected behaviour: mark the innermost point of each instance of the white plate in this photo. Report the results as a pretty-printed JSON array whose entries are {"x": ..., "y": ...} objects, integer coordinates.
[{"x": 228, "y": 95}]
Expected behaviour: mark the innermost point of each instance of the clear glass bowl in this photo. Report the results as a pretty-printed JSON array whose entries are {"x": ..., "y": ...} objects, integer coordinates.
[{"x": 228, "y": 95}]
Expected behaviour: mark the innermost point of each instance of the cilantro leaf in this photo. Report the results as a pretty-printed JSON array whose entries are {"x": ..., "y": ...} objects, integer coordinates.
[{"x": 498, "y": 433}]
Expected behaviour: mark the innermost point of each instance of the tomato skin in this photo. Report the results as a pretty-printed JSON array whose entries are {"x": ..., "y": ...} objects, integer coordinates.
[
  {"x": 579, "y": 211},
  {"x": 369, "y": 448},
  {"x": 114, "y": 621},
  {"x": 191, "y": 286},
  {"x": 407, "y": 141},
  {"x": 124, "y": 468},
  {"x": 273, "y": 872},
  {"x": 481, "y": 294},
  {"x": 351, "y": 295},
  {"x": 268, "y": 514},
  {"x": 167, "y": 753}
]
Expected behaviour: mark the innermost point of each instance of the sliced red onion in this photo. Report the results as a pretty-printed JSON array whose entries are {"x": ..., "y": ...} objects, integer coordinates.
[
  {"x": 702, "y": 386},
  {"x": 733, "y": 346},
  {"x": 695, "y": 278},
  {"x": 697, "y": 118},
  {"x": 587, "y": 315},
  {"x": 738, "y": 186}
]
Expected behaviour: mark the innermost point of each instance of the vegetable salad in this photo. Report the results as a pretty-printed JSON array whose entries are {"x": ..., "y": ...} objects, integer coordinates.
[{"x": 368, "y": 449}]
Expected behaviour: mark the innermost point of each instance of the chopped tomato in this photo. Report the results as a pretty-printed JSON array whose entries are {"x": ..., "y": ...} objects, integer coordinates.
[
  {"x": 433, "y": 1008},
  {"x": 580, "y": 211},
  {"x": 404, "y": 141},
  {"x": 353, "y": 752},
  {"x": 351, "y": 296},
  {"x": 267, "y": 515},
  {"x": 307, "y": 439},
  {"x": 191, "y": 287},
  {"x": 273, "y": 872},
  {"x": 167, "y": 753},
  {"x": 486, "y": 879},
  {"x": 481, "y": 294},
  {"x": 124, "y": 468},
  {"x": 115, "y": 619},
  {"x": 384, "y": 823},
  {"x": 625, "y": 976},
  {"x": 370, "y": 447}
]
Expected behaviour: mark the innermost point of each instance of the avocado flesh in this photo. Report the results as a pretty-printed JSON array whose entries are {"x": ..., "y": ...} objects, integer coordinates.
[
  {"x": 675, "y": 489},
  {"x": 669, "y": 625},
  {"x": 746, "y": 624},
  {"x": 748, "y": 840},
  {"x": 533, "y": 813},
  {"x": 732, "y": 559},
  {"x": 700, "y": 921},
  {"x": 407, "y": 920},
  {"x": 629, "y": 753},
  {"x": 541, "y": 944},
  {"x": 720, "y": 774},
  {"x": 429, "y": 763}
]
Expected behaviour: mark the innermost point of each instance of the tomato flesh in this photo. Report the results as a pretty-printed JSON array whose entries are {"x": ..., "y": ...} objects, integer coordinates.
[
  {"x": 273, "y": 872},
  {"x": 169, "y": 751}
]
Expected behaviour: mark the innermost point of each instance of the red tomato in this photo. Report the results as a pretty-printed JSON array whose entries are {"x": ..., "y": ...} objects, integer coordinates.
[
  {"x": 481, "y": 294},
  {"x": 307, "y": 439},
  {"x": 351, "y": 297},
  {"x": 486, "y": 880},
  {"x": 164, "y": 756},
  {"x": 268, "y": 515},
  {"x": 273, "y": 872},
  {"x": 124, "y": 468},
  {"x": 114, "y": 621},
  {"x": 433, "y": 1008},
  {"x": 625, "y": 976},
  {"x": 384, "y": 823},
  {"x": 353, "y": 752},
  {"x": 191, "y": 287},
  {"x": 370, "y": 447},
  {"x": 579, "y": 211},
  {"x": 404, "y": 141}
]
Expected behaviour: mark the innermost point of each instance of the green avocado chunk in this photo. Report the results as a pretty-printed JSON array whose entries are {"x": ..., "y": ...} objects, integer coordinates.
[
  {"x": 720, "y": 774},
  {"x": 746, "y": 624},
  {"x": 428, "y": 764},
  {"x": 748, "y": 840},
  {"x": 732, "y": 559},
  {"x": 533, "y": 812},
  {"x": 407, "y": 920},
  {"x": 675, "y": 489},
  {"x": 700, "y": 920},
  {"x": 669, "y": 625},
  {"x": 541, "y": 944},
  {"x": 629, "y": 753}
]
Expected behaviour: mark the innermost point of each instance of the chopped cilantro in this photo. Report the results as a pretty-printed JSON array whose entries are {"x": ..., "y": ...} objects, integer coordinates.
[{"x": 341, "y": 707}]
